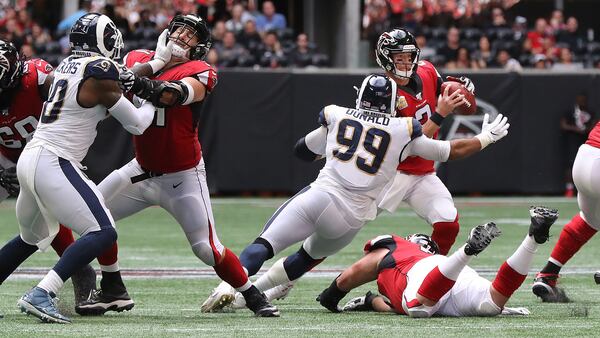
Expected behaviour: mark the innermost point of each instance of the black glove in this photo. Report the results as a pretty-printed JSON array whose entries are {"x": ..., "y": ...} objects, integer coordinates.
[
  {"x": 9, "y": 181},
  {"x": 153, "y": 91}
]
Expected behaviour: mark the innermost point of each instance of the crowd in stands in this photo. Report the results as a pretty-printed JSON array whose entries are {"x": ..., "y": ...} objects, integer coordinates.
[
  {"x": 474, "y": 34},
  {"x": 243, "y": 36}
]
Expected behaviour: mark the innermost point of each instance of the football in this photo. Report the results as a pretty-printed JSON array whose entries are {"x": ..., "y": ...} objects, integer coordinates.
[{"x": 468, "y": 108}]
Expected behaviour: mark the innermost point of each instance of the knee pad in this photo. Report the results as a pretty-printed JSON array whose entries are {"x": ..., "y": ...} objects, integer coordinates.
[
  {"x": 488, "y": 308},
  {"x": 205, "y": 252}
]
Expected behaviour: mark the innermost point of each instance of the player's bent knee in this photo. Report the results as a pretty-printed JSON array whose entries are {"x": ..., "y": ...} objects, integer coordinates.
[
  {"x": 488, "y": 308},
  {"x": 204, "y": 251}
]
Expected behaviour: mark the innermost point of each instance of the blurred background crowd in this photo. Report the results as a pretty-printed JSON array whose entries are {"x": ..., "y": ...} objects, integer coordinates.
[{"x": 453, "y": 34}]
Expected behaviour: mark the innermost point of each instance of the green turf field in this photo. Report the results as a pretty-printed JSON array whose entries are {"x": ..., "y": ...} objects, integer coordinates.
[{"x": 169, "y": 306}]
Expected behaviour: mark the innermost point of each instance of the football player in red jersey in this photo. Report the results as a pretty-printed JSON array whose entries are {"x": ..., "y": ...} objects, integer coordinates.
[
  {"x": 168, "y": 169},
  {"x": 419, "y": 95},
  {"x": 582, "y": 226},
  {"x": 23, "y": 89},
  {"x": 420, "y": 283}
]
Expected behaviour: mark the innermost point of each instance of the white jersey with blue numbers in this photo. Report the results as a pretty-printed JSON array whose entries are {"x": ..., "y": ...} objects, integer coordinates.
[
  {"x": 362, "y": 151},
  {"x": 65, "y": 127}
]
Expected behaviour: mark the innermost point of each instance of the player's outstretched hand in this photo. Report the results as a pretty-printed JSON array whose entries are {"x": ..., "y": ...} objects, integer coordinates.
[
  {"x": 492, "y": 132},
  {"x": 9, "y": 180},
  {"x": 465, "y": 82},
  {"x": 448, "y": 101},
  {"x": 163, "y": 47},
  {"x": 126, "y": 78}
]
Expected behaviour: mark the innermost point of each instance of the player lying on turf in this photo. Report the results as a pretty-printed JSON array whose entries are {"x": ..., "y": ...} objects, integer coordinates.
[
  {"x": 363, "y": 147},
  {"x": 418, "y": 282}
]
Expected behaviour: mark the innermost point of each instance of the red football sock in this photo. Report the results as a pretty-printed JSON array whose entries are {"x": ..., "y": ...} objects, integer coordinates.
[
  {"x": 63, "y": 239},
  {"x": 230, "y": 270},
  {"x": 507, "y": 280},
  {"x": 572, "y": 237},
  {"x": 109, "y": 257},
  {"x": 435, "y": 285},
  {"x": 444, "y": 234}
]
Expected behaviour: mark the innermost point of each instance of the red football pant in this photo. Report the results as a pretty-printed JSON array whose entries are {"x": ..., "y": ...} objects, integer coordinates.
[
  {"x": 507, "y": 280},
  {"x": 444, "y": 234},
  {"x": 63, "y": 239},
  {"x": 230, "y": 270},
  {"x": 572, "y": 237},
  {"x": 435, "y": 285}
]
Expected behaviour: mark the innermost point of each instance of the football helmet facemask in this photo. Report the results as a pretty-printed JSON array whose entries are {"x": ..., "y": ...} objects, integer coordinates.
[
  {"x": 397, "y": 41},
  {"x": 377, "y": 94},
  {"x": 182, "y": 30},
  {"x": 96, "y": 34},
  {"x": 11, "y": 66},
  {"x": 427, "y": 244}
]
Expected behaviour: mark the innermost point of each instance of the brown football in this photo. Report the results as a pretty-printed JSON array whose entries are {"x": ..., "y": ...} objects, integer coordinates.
[{"x": 468, "y": 108}]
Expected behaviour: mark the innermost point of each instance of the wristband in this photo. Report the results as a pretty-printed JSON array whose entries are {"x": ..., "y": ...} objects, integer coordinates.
[
  {"x": 437, "y": 118},
  {"x": 156, "y": 65}
]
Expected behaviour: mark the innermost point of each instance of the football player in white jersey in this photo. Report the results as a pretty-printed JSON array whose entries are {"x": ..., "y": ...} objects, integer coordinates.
[
  {"x": 363, "y": 147},
  {"x": 53, "y": 188}
]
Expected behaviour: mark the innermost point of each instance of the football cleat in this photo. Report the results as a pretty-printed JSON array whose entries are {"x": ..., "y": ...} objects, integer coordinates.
[
  {"x": 100, "y": 301},
  {"x": 330, "y": 303},
  {"x": 42, "y": 304},
  {"x": 597, "y": 277},
  {"x": 84, "y": 282},
  {"x": 258, "y": 303},
  {"x": 221, "y": 296},
  {"x": 480, "y": 237},
  {"x": 544, "y": 286},
  {"x": 542, "y": 219},
  {"x": 280, "y": 292}
]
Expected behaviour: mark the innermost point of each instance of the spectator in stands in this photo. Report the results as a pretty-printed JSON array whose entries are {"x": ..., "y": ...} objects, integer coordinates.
[
  {"x": 249, "y": 37},
  {"x": 212, "y": 57},
  {"x": 272, "y": 54},
  {"x": 269, "y": 19},
  {"x": 575, "y": 125},
  {"x": 427, "y": 52},
  {"x": 463, "y": 60},
  {"x": 540, "y": 61},
  {"x": 39, "y": 38},
  {"x": 565, "y": 61},
  {"x": 506, "y": 61},
  {"x": 218, "y": 31},
  {"x": 570, "y": 35},
  {"x": 539, "y": 39},
  {"x": 301, "y": 55},
  {"x": 557, "y": 21},
  {"x": 498, "y": 19},
  {"x": 484, "y": 55},
  {"x": 450, "y": 49},
  {"x": 236, "y": 23},
  {"x": 27, "y": 51},
  {"x": 229, "y": 50}
]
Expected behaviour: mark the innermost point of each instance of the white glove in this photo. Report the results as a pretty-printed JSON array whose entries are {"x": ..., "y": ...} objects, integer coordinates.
[
  {"x": 162, "y": 54},
  {"x": 126, "y": 78},
  {"x": 516, "y": 311},
  {"x": 494, "y": 131}
]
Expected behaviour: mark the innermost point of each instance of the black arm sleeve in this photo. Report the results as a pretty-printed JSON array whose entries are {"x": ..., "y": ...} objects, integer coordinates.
[{"x": 302, "y": 152}]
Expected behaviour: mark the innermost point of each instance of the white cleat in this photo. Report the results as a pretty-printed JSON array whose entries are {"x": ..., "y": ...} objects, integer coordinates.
[
  {"x": 279, "y": 292},
  {"x": 221, "y": 296},
  {"x": 239, "y": 302}
]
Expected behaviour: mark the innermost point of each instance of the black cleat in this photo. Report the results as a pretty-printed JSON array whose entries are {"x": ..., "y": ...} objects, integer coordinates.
[
  {"x": 258, "y": 303},
  {"x": 597, "y": 277},
  {"x": 544, "y": 286},
  {"x": 542, "y": 219},
  {"x": 84, "y": 282},
  {"x": 99, "y": 302},
  {"x": 480, "y": 237}
]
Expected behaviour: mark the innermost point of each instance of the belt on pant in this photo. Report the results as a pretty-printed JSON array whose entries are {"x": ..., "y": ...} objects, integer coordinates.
[{"x": 144, "y": 176}]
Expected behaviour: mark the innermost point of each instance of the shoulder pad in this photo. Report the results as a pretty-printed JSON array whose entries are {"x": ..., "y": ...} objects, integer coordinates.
[
  {"x": 137, "y": 56},
  {"x": 101, "y": 69},
  {"x": 383, "y": 241},
  {"x": 414, "y": 127},
  {"x": 325, "y": 115}
]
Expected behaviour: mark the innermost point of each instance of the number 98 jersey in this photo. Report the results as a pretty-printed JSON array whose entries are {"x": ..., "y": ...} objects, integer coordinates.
[{"x": 363, "y": 151}]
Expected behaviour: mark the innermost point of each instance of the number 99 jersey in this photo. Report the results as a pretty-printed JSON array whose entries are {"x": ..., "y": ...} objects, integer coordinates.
[{"x": 363, "y": 151}]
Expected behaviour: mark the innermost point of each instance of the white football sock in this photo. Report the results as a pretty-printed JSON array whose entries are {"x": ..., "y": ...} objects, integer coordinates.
[
  {"x": 110, "y": 268},
  {"x": 244, "y": 287},
  {"x": 275, "y": 276},
  {"x": 51, "y": 282},
  {"x": 452, "y": 267},
  {"x": 521, "y": 260}
]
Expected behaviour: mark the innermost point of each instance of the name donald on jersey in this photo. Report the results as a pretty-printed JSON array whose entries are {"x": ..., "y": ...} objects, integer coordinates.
[{"x": 373, "y": 118}]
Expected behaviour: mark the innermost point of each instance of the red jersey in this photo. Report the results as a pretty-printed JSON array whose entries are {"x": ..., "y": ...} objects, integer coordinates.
[
  {"x": 419, "y": 104},
  {"x": 594, "y": 136},
  {"x": 18, "y": 123},
  {"x": 171, "y": 143},
  {"x": 403, "y": 255}
]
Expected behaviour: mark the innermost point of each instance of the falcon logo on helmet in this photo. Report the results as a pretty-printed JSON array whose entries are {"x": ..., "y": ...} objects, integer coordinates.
[
  {"x": 377, "y": 94},
  {"x": 427, "y": 244},
  {"x": 11, "y": 67},
  {"x": 191, "y": 37},
  {"x": 96, "y": 34},
  {"x": 397, "y": 41}
]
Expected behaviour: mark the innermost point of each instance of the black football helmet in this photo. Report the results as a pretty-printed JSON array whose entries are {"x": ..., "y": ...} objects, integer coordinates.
[
  {"x": 377, "y": 94},
  {"x": 427, "y": 244},
  {"x": 11, "y": 66},
  {"x": 397, "y": 41},
  {"x": 198, "y": 28},
  {"x": 96, "y": 34}
]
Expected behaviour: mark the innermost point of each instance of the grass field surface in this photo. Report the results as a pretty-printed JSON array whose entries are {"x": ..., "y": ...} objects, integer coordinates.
[{"x": 168, "y": 283}]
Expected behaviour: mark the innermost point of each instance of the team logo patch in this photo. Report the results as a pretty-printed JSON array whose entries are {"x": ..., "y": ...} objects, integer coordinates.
[
  {"x": 401, "y": 103},
  {"x": 104, "y": 65}
]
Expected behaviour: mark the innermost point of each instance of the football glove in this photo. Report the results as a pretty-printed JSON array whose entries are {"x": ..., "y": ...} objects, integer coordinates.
[
  {"x": 163, "y": 47},
  {"x": 9, "y": 181},
  {"x": 493, "y": 131},
  {"x": 126, "y": 79},
  {"x": 465, "y": 82},
  {"x": 363, "y": 303}
]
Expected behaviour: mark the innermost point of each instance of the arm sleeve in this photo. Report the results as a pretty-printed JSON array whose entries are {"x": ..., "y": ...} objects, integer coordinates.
[
  {"x": 133, "y": 120},
  {"x": 427, "y": 148},
  {"x": 310, "y": 147}
]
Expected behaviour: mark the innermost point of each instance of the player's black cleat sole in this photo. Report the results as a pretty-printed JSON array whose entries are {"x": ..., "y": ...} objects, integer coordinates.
[
  {"x": 480, "y": 237},
  {"x": 542, "y": 219},
  {"x": 597, "y": 277},
  {"x": 99, "y": 302}
]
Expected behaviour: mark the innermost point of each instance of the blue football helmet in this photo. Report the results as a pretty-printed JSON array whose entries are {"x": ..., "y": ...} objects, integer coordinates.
[
  {"x": 96, "y": 34},
  {"x": 427, "y": 244},
  {"x": 377, "y": 94}
]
